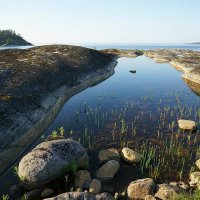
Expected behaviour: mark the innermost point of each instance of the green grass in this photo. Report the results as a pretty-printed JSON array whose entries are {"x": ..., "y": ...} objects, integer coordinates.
[{"x": 192, "y": 196}]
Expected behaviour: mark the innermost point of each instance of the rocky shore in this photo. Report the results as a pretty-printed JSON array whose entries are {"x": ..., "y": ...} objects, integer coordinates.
[
  {"x": 66, "y": 161},
  {"x": 187, "y": 61},
  {"x": 34, "y": 85}
]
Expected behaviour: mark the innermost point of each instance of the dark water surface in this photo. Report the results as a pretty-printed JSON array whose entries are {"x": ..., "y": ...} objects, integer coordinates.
[{"x": 129, "y": 109}]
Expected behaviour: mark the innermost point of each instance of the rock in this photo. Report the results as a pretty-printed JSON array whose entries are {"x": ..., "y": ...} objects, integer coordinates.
[
  {"x": 33, "y": 193},
  {"x": 198, "y": 163},
  {"x": 82, "y": 177},
  {"x": 47, "y": 160},
  {"x": 82, "y": 196},
  {"x": 140, "y": 188},
  {"x": 174, "y": 183},
  {"x": 108, "y": 170},
  {"x": 108, "y": 154},
  {"x": 95, "y": 186},
  {"x": 79, "y": 190},
  {"x": 130, "y": 156},
  {"x": 183, "y": 185},
  {"x": 47, "y": 193},
  {"x": 187, "y": 124},
  {"x": 104, "y": 196},
  {"x": 167, "y": 191},
  {"x": 195, "y": 179},
  {"x": 149, "y": 197},
  {"x": 51, "y": 137}
]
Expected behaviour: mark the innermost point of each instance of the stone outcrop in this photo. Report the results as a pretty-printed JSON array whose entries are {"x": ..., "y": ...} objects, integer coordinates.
[
  {"x": 48, "y": 160},
  {"x": 35, "y": 83},
  {"x": 187, "y": 61}
]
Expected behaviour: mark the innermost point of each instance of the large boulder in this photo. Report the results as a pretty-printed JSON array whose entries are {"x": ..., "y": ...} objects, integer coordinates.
[
  {"x": 48, "y": 160},
  {"x": 82, "y": 177},
  {"x": 187, "y": 124},
  {"x": 108, "y": 170},
  {"x": 130, "y": 156},
  {"x": 167, "y": 191},
  {"x": 82, "y": 196},
  {"x": 140, "y": 188},
  {"x": 108, "y": 154}
]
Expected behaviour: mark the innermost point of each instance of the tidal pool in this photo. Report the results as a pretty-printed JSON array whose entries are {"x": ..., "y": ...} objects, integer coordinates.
[{"x": 139, "y": 110}]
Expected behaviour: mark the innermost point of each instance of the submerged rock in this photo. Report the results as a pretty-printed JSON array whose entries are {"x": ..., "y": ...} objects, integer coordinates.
[
  {"x": 82, "y": 177},
  {"x": 47, "y": 192},
  {"x": 108, "y": 154},
  {"x": 130, "y": 156},
  {"x": 82, "y": 196},
  {"x": 108, "y": 170},
  {"x": 47, "y": 160},
  {"x": 187, "y": 124},
  {"x": 95, "y": 186},
  {"x": 140, "y": 188},
  {"x": 167, "y": 191}
]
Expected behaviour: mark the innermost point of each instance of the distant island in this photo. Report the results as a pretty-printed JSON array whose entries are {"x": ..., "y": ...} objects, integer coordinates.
[{"x": 10, "y": 38}]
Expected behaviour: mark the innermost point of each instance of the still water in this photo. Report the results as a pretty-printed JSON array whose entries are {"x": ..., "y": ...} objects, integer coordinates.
[{"x": 134, "y": 102}]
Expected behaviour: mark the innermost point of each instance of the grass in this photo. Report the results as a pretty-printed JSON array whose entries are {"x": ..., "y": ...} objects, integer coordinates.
[
  {"x": 191, "y": 196},
  {"x": 148, "y": 125},
  {"x": 5, "y": 197}
]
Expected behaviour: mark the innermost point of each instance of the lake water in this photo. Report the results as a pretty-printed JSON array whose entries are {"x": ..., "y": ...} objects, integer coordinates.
[
  {"x": 195, "y": 47},
  {"x": 128, "y": 109}
]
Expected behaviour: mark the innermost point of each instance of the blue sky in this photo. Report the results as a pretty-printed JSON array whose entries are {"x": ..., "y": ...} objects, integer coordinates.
[{"x": 103, "y": 21}]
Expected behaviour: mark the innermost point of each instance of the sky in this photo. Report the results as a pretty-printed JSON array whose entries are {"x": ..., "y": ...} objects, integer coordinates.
[{"x": 103, "y": 21}]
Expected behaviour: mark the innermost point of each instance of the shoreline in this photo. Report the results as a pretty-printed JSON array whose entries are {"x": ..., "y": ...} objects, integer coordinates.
[{"x": 59, "y": 98}]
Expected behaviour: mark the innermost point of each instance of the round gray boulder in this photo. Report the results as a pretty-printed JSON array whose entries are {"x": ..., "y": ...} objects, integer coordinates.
[{"x": 48, "y": 160}]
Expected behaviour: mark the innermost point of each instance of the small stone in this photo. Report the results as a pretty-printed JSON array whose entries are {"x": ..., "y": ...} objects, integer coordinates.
[
  {"x": 82, "y": 178},
  {"x": 184, "y": 185},
  {"x": 108, "y": 170},
  {"x": 108, "y": 154},
  {"x": 186, "y": 124},
  {"x": 47, "y": 192},
  {"x": 140, "y": 188},
  {"x": 198, "y": 163},
  {"x": 95, "y": 186},
  {"x": 149, "y": 197},
  {"x": 130, "y": 156},
  {"x": 174, "y": 183},
  {"x": 167, "y": 191},
  {"x": 79, "y": 190},
  {"x": 195, "y": 179},
  {"x": 117, "y": 195}
]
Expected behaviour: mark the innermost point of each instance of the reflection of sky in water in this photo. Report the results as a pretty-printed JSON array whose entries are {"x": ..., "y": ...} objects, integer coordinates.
[{"x": 151, "y": 79}]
